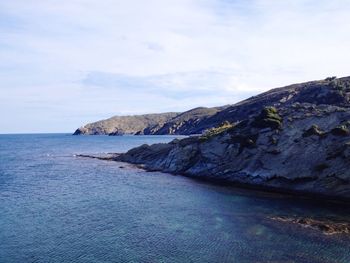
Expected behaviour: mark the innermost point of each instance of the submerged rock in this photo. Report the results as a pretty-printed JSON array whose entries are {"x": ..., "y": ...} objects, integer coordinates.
[
  {"x": 106, "y": 156},
  {"x": 326, "y": 226}
]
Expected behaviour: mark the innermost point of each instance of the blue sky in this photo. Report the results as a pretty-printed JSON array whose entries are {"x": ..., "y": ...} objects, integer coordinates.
[{"x": 65, "y": 63}]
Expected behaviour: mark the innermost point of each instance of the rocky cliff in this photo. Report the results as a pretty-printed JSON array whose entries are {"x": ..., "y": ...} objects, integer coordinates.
[{"x": 294, "y": 138}]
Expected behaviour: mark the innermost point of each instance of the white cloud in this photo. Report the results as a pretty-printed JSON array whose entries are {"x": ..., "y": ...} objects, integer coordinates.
[{"x": 169, "y": 55}]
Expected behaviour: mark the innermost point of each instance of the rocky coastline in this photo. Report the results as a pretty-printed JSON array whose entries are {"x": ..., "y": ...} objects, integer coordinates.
[
  {"x": 292, "y": 139},
  {"x": 298, "y": 141}
]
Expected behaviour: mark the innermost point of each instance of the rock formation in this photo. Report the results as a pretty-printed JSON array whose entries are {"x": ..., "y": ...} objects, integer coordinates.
[{"x": 294, "y": 138}]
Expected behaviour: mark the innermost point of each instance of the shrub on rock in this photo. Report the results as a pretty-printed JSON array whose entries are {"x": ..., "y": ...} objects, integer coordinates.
[
  {"x": 268, "y": 118},
  {"x": 224, "y": 127}
]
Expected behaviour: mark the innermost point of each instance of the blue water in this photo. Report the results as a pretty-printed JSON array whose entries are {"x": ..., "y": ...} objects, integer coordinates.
[{"x": 56, "y": 207}]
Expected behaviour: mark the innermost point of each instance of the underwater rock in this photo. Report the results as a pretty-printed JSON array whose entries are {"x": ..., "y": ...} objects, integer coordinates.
[{"x": 326, "y": 226}]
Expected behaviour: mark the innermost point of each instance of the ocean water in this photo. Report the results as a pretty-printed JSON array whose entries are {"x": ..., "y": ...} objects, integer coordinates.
[{"x": 56, "y": 207}]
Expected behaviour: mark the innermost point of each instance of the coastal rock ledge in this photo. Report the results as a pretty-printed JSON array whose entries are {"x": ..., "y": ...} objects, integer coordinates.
[{"x": 294, "y": 139}]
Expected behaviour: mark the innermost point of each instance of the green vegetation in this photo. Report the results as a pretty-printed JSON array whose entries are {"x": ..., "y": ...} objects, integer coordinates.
[
  {"x": 268, "y": 118},
  {"x": 224, "y": 127},
  {"x": 314, "y": 130}
]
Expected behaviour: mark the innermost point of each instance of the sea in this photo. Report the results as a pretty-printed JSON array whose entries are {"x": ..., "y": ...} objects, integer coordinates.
[{"x": 58, "y": 207}]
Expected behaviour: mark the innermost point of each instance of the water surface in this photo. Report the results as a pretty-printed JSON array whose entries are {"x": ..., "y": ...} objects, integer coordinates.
[{"x": 56, "y": 207}]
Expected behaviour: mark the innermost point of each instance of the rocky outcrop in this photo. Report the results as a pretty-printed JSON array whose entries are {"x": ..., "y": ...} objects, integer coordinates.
[{"x": 290, "y": 139}]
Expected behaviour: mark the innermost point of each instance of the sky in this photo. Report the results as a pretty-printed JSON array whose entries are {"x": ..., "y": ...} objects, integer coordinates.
[{"x": 64, "y": 63}]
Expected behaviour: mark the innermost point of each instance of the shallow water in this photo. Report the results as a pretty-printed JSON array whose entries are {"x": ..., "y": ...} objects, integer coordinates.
[{"x": 55, "y": 207}]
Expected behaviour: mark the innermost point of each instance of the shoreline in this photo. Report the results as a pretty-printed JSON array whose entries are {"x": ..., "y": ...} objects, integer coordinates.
[
  {"x": 327, "y": 226},
  {"x": 299, "y": 195}
]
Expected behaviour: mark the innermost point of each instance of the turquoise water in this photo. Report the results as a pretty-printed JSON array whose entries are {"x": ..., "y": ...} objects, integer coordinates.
[{"x": 55, "y": 207}]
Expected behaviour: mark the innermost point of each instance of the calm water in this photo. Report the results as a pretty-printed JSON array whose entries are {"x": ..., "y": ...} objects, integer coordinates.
[{"x": 55, "y": 207}]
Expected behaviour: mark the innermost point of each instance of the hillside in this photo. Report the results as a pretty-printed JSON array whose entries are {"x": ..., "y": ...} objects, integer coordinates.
[
  {"x": 163, "y": 123},
  {"x": 119, "y": 125},
  {"x": 197, "y": 120},
  {"x": 295, "y": 138}
]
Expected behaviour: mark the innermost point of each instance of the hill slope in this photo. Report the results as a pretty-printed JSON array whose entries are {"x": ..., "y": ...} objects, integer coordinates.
[
  {"x": 197, "y": 120},
  {"x": 295, "y": 138},
  {"x": 163, "y": 123},
  {"x": 119, "y": 125}
]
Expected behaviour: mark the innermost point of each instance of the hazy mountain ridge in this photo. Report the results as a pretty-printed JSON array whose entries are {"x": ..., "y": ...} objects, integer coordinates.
[
  {"x": 184, "y": 123},
  {"x": 119, "y": 125}
]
